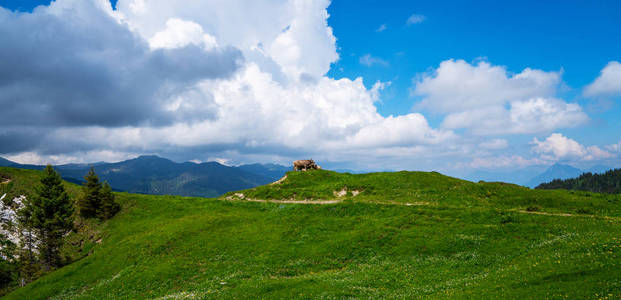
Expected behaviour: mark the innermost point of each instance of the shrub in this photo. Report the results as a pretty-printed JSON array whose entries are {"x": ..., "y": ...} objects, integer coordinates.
[{"x": 533, "y": 208}]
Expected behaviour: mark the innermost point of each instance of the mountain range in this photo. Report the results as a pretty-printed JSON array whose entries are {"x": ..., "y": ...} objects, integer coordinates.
[
  {"x": 532, "y": 176},
  {"x": 562, "y": 171},
  {"x": 150, "y": 174}
]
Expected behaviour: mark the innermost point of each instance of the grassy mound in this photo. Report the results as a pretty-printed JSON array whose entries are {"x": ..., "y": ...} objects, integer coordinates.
[
  {"x": 428, "y": 188},
  {"x": 467, "y": 240}
]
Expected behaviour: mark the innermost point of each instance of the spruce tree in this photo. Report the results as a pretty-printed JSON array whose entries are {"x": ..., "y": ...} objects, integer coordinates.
[
  {"x": 89, "y": 203},
  {"x": 8, "y": 270},
  {"x": 27, "y": 261},
  {"x": 108, "y": 207},
  {"x": 50, "y": 216}
]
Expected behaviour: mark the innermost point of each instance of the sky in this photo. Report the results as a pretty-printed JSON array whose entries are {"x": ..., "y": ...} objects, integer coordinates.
[{"x": 453, "y": 86}]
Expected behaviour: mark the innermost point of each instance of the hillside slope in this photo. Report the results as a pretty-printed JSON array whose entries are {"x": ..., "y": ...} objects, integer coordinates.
[
  {"x": 17, "y": 185},
  {"x": 403, "y": 235}
]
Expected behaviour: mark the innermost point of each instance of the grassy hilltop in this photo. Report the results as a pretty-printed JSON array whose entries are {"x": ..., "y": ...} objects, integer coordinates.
[{"x": 395, "y": 235}]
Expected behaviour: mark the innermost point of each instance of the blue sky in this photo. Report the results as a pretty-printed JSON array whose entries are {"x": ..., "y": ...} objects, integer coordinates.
[
  {"x": 578, "y": 37},
  {"x": 456, "y": 86}
]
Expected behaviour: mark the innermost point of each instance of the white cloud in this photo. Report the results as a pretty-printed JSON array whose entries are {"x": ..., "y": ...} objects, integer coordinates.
[
  {"x": 35, "y": 158},
  {"x": 245, "y": 81},
  {"x": 489, "y": 100},
  {"x": 180, "y": 33},
  {"x": 411, "y": 129},
  {"x": 275, "y": 99},
  {"x": 608, "y": 83},
  {"x": 254, "y": 111},
  {"x": 291, "y": 34},
  {"x": 503, "y": 161},
  {"x": 370, "y": 61},
  {"x": 415, "y": 19},
  {"x": 494, "y": 144},
  {"x": 558, "y": 147},
  {"x": 544, "y": 114},
  {"x": 595, "y": 153},
  {"x": 615, "y": 147},
  {"x": 457, "y": 85},
  {"x": 381, "y": 28}
]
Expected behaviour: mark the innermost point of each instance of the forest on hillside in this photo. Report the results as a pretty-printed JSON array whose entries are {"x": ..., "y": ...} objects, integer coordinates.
[{"x": 609, "y": 182}]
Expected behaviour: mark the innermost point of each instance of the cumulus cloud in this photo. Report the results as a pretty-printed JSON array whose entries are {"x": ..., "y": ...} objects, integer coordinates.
[
  {"x": 559, "y": 147},
  {"x": 195, "y": 79},
  {"x": 487, "y": 99},
  {"x": 415, "y": 19},
  {"x": 293, "y": 34},
  {"x": 370, "y": 61},
  {"x": 240, "y": 81},
  {"x": 608, "y": 83},
  {"x": 180, "y": 33},
  {"x": 73, "y": 64}
]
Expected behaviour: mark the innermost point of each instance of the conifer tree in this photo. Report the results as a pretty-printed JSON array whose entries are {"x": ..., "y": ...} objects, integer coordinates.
[
  {"x": 27, "y": 263},
  {"x": 108, "y": 207},
  {"x": 50, "y": 216},
  {"x": 7, "y": 262},
  {"x": 89, "y": 203}
]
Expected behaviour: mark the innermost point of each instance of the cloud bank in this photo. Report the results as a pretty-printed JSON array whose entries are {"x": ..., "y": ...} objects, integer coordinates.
[
  {"x": 185, "y": 77},
  {"x": 246, "y": 81}
]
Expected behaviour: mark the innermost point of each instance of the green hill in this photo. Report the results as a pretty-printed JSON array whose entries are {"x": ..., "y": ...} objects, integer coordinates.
[
  {"x": 15, "y": 182},
  {"x": 395, "y": 235}
]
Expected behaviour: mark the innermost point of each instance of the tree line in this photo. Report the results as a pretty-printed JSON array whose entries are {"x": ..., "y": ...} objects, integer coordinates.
[
  {"x": 43, "y": 223},
  {"x": 609, "y": 182}
]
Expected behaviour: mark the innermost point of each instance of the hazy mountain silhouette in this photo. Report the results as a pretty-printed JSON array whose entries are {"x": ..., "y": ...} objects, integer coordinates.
[{"x": 150, "y": 174}]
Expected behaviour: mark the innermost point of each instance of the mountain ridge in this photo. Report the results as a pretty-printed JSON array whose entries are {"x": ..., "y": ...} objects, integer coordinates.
[{"x": 152, "y": 174}]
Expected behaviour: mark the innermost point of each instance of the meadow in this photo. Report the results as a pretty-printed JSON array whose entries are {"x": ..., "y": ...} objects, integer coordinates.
[{"x": 390, "y": 235}]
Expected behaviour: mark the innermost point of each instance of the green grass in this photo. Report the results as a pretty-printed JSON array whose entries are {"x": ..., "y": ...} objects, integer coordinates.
[
  {"x": 23, "y": 182},
  {"x": 433, "y": 188},
  {"x": 463, "y": 240}
]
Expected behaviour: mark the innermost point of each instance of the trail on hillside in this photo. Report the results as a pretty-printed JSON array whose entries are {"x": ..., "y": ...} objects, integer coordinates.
[
  {"x": 566, "y": 215},
  {"x": 279, "y": 181},
  {"x": 296, "y": 201},
  {"x": 241, "y": 197}
]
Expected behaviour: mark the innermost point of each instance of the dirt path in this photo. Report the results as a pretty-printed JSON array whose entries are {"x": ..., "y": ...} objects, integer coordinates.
[
  {"x": 241, "y": 197},
  {"x": 567, "y": 215},
  {"x": 296, "y": 201},
  {"x": 279, "y": 181},
  {"x": 546, "y": 214}
]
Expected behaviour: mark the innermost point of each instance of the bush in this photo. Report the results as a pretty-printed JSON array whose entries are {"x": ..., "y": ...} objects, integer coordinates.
[
  {"x": 583, "y": 210},
  {"x": 506, "y": 218},
  {"x": 533, "y": 208}
]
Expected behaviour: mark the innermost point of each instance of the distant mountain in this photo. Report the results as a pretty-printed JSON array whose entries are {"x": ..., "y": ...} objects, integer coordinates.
[
  {"x": 271, "y": 171},
  {"x": 151, "y": 174},
  {"x": 608, "y": 182},
  {"x": 520, "y": 176},
  {"x": 6, "y": 162},
  {"x": 556, "y": 171}
]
